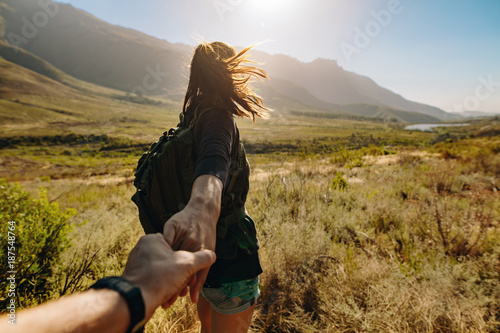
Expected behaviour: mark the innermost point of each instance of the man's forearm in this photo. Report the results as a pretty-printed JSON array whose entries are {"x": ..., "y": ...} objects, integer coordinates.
[
  {"x": 92, "y": 311},
  {"x": 153, "y": 266}
]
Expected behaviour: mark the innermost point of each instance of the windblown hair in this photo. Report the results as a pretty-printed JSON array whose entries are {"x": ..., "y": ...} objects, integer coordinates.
[{"x": 219, "y": 79}]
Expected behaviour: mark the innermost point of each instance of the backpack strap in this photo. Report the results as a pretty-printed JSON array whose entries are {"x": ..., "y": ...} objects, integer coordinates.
[
  {"x": 236, "y": 156},
  {"x": 198, "y": 112}
]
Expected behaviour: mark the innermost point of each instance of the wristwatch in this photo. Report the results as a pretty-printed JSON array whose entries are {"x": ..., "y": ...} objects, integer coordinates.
[{"x": 132, "y": 295}]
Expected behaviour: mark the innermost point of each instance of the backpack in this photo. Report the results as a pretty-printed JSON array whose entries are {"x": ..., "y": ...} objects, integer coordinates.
[{"x": 164, "y": 176}]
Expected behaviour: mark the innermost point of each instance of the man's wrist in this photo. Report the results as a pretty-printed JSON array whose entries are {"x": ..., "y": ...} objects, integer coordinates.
[
  {"x": 131, "y": 294},
  {"x": 150, "y": 296}
]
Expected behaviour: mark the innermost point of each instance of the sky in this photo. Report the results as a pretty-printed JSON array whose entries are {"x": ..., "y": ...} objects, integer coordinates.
[{"x": 445, "y": 53}]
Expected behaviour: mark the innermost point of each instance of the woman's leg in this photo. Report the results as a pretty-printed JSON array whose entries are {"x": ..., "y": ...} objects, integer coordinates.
[
  {"x": 237, "y": 323},
  {"x": 218, "y": 307},
  {"x": 204, "y": 310},
  {"x": 212, "y": 321}
]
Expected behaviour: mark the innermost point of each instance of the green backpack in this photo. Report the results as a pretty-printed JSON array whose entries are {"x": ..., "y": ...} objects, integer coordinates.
[{"x": 164, "y": 177}]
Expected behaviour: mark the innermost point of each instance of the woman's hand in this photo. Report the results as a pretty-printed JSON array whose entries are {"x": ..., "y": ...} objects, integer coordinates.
[{"x": 194, "y": 228}]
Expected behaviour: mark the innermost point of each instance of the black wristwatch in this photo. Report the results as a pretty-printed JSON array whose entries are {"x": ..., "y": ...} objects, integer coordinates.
[{"x": 132, "y": 295}]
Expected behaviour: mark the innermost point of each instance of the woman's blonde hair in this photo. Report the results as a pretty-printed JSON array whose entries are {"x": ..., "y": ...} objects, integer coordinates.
[{"x": 218, "y": 79}]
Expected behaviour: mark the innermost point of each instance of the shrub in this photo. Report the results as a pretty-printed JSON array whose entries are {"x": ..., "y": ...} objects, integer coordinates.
[
  {"x": 462, "y": 227},
  {"x": 41, "y": 235},
  {"x": 406, "y": 159},
  {"x": 348, "y": 158},
  {"x": 339, "y": 182},
  {"x": 374, "y": 151}
]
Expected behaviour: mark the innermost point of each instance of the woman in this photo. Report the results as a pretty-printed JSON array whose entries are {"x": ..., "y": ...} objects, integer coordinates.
[{"x": 215, "y": 216}]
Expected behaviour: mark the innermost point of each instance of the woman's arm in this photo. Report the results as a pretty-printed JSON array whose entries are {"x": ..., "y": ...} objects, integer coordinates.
[{"x": 194, "y": 228}]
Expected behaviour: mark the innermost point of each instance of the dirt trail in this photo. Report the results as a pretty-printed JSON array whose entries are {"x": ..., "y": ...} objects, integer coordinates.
[
  {"x": 393, "y": 159},
  {"x": 324, "y": 166}
]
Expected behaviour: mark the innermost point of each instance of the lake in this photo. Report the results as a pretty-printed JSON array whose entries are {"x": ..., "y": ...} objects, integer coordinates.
[{"x": 429, "y": 127}]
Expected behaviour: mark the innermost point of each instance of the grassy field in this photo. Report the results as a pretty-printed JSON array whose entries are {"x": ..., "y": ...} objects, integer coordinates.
[{"x": 364, "y": 227}]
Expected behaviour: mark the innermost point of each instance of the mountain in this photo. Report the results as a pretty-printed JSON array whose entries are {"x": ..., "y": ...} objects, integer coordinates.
[
  {"x": 284, "y": 95},
  {"x": 77, "y": 44},
  {"x": 92, "y": 50},
  {"x": 476, "y": 114},
  {"x": 33, "y": 104},
  {"x": 30, "y": 61},
  {"x": 26, "y": 60},
  {"x": 330, "y": 83}
]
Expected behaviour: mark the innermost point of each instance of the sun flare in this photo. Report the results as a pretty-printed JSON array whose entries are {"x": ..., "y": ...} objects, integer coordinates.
[{"x": 269, "y": 6}]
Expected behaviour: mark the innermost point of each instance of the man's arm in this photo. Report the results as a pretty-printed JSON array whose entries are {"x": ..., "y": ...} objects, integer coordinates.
[
  {"x": 92, "y": 311},
  {"x": 159, "y": 272}
]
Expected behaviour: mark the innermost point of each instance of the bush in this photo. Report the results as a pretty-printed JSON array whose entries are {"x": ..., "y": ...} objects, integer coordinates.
[
  {"x": 348, "y": 158},
  {"x": 338, "y": 182},
  {"x": 396, "y": 249},
  {"x": 41, "y": 235}
]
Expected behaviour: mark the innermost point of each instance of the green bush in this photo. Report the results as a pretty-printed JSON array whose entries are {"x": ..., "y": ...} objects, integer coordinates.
[
  {"x": 338, "y": 182},
  {"x": 39, "y": 234}
]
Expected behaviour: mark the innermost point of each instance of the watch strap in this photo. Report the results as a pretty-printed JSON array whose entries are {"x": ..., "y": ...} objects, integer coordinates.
[{"x": 132, "y": 295}]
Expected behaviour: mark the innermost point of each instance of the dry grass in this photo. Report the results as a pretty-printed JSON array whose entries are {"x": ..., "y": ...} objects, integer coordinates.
[{"x": 407, "y": 246}]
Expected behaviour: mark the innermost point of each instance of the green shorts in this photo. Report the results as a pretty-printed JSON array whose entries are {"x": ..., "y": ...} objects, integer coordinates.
[{"x": 232, "y": 298}]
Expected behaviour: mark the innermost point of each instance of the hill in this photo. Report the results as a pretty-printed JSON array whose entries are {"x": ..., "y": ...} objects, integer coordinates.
[
  {"x": 332, "y": 84},
  {"x": 286, "y": 96},
  {"x": 32, "y": 104},
  {"x": 92, "y": 50}
]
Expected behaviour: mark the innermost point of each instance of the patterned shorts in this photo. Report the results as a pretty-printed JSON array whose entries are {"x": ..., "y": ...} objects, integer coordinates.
[{"x": 234, "y": 297}]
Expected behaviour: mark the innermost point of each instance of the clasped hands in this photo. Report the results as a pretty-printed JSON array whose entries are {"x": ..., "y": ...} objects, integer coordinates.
[{"x": 161, "y": 273}]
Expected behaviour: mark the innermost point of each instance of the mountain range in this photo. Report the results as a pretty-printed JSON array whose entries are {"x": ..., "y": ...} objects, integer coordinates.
[{"x": 69, "y": 45}]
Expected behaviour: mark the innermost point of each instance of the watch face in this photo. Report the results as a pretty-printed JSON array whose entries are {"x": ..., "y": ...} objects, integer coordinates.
[{"x": 124, "y": 285}]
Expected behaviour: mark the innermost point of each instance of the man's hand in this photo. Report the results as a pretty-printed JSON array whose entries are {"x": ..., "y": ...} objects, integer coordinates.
[
  {"x": 194, "y": 228},
  {"x": 152, "y": 265},
  {"x": 161, "y": 273}
]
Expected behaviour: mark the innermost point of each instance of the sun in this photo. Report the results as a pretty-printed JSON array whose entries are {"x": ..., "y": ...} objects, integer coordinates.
[{"x": 269, "y": 6}]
